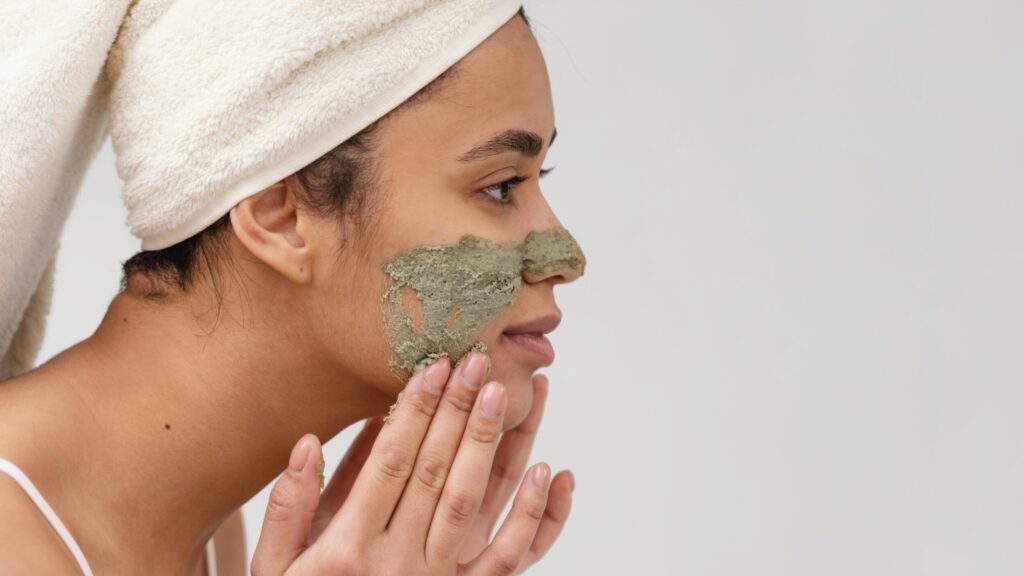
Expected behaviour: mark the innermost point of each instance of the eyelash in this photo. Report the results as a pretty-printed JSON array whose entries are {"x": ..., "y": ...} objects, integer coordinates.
[{"x": 506, "y": 187}]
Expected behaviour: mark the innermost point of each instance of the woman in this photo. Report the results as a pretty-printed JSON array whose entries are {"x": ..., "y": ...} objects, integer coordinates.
[{"x": 230, "y": 355}]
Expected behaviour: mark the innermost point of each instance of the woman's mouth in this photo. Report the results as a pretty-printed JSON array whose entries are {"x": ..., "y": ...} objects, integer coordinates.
[{"x": 532, "y": 345}]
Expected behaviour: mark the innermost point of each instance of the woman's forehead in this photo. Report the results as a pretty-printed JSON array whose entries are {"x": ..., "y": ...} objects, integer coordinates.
[{"x": 501, "y": 85}]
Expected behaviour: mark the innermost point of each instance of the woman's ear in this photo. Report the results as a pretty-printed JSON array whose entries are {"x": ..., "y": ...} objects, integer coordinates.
[{"x": 271, "y": 227}]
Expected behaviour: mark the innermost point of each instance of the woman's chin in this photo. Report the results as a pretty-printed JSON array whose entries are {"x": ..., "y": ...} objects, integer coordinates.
[
  {"x": 518, "y": 381},
  {"x": 518, "y": 408}
]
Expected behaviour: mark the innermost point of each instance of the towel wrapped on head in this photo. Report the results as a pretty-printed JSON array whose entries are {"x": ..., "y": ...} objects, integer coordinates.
[{"x": 205, "y": 102}]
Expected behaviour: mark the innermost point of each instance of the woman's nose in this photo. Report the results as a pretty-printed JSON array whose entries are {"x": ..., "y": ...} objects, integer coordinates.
[
  {"x": 553, "y": 256},
  {"x": 561, "y": 275}
]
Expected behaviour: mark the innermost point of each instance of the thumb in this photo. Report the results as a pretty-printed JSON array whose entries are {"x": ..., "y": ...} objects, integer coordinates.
[{"x": 293, "y": 501}]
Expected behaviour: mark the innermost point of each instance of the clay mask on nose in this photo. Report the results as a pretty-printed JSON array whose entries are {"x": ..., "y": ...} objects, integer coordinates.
[{"x": 439, "y": 297}]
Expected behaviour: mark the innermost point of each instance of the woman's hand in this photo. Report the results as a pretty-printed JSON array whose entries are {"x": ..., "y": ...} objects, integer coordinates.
[{"x": 394, "y": 507}]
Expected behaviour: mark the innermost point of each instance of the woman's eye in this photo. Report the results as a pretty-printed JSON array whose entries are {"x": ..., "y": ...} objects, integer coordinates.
[{"x": 501, "y": 191}]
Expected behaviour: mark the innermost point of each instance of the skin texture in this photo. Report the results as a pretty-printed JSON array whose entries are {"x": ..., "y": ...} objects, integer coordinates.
[{"x": 207, "y": 392}]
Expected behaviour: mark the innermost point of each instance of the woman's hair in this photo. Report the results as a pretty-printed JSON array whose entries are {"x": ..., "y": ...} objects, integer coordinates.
[{"x": 337, "y": 184}]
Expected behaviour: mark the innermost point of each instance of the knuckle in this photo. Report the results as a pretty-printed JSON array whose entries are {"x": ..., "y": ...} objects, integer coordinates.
[
  {"x": 503, "y": 471},
  {"x": 558, "y": 516},
  {"x": 461, "y": 507},
  {"x": 283, "y": 502},
  {"x": 504, "y": 564},
  {"x": 395, "y": 463},
  {"x": 534, "y": 509},
  {"x": 432, "y": 473},
  {"x": 421, "y": 403},
  {"x": 461, "y": 402},
  {"x": 485, "y": 432}
]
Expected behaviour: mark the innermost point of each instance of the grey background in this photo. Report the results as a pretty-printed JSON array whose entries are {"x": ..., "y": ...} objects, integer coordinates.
[{"x": 797, "y": 346}]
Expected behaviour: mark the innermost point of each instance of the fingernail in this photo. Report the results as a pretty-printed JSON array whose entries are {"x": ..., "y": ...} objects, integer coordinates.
[
  {"x": 300, "y": 454},
  {"x": 572, "y": 482},
  {"x": 432, "y": 376},
  {"x": 540, "y": 476},
  {"x": 493, "y": 400},
  {"x": 475, "y": 370}
]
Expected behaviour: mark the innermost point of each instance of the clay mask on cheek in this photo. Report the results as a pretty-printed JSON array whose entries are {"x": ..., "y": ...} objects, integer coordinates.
[{"x": 438, "y": 298}]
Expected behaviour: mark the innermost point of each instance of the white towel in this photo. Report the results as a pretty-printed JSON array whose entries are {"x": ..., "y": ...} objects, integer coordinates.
[
  {"x": 206, "y": 103},
  {"x": 52, "y": 121}
]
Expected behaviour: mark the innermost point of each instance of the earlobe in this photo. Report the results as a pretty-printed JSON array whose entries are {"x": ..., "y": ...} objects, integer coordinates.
[{"x": 270, "y": 226}]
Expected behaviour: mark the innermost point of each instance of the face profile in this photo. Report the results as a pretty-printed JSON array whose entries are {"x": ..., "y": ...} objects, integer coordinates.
[{"x": 462, "y": 249}]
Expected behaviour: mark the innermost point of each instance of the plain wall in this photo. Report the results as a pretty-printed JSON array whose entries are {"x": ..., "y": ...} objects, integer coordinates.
[{"x": 797, "y": 348}]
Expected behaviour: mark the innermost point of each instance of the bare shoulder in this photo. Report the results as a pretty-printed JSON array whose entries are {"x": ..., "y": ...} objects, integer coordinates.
[
  {"x": 28, "y": 544},
  {"x": 229, "y": 544}
]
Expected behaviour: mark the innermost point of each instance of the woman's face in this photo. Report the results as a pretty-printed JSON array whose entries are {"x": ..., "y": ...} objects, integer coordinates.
[{"x": 410, "y": 285}]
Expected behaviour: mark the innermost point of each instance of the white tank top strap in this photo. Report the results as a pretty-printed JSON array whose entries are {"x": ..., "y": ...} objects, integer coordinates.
[
  {"x": 211, "y": 559},
  {"x": 12, "y": 470}
]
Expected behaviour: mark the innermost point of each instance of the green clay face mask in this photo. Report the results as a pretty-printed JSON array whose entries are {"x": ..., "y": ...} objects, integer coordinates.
[{"x": 439, "y": 297}]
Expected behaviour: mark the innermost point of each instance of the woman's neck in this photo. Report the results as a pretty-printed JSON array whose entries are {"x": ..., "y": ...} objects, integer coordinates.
[{"x": 169, "y": 427}]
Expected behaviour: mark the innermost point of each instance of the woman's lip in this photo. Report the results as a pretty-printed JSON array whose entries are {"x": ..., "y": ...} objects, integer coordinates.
[{"x": 533, "y": 344}]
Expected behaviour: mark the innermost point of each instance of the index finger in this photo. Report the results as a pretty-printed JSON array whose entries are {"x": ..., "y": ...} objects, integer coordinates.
[
  {"x": 337, "y": 490},
  {"x": 379, "y": 485},
  {"x": 344, "y": 477}
]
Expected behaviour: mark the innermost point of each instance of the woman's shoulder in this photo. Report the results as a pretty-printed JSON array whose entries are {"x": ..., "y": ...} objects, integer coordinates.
[{"x": 28, "y": 543}]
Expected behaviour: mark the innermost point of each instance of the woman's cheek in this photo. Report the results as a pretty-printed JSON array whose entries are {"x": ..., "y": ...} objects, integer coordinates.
[{"x": 439, "y": 298}]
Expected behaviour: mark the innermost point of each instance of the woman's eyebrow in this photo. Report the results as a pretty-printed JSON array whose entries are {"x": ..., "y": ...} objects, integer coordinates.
[{"x": 512, "y": 140}]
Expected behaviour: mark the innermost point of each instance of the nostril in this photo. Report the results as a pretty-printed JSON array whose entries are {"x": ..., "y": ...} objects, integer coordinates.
[{"x": 553, "y": 254}]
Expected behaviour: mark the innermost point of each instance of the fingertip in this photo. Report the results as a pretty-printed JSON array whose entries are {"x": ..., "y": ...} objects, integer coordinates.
[
  {"x": 299, "y": 456},
  {"x": 440, "y": 364},
  {"x": 490, "y": 404},
  {"x": 542, "y": 475},
  {"x": 436, "y": 375},
  {"x": 562, "y": 484},
  {"x": 317, "y": 447},
  {"x": 488, "y": 365},
  {"x": 560, "y": 500},
  {"x": 305, "y": 453}
]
